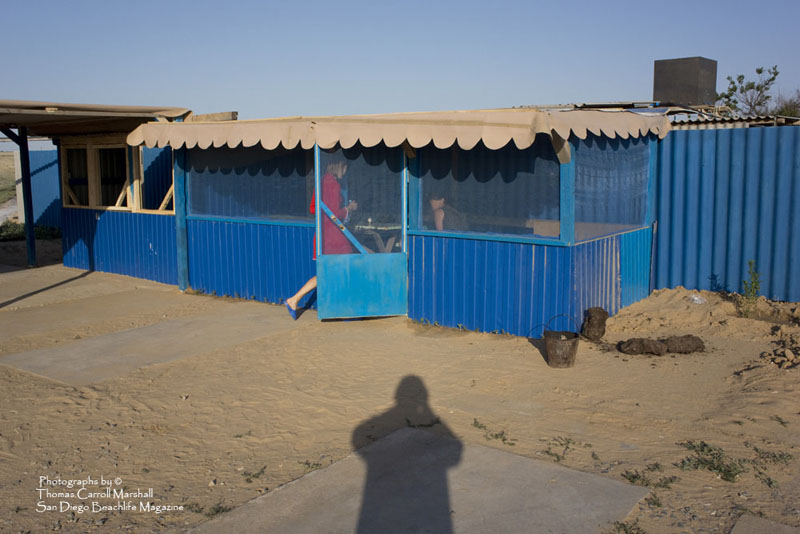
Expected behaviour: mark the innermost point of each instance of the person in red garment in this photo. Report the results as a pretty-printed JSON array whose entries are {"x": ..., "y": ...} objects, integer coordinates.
[{"x": 333, "y": 240}]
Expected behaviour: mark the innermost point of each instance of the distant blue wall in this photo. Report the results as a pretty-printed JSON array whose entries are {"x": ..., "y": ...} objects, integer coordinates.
[
  {"x": 267, "y": 262},
  {"x": 45, "y": 188},
  {"x": 135, "y": 244},
  {"x": 725, "y": 197}
]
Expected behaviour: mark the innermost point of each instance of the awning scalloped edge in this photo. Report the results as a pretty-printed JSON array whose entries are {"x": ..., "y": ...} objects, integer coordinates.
[{"x": 495, "y": 128}]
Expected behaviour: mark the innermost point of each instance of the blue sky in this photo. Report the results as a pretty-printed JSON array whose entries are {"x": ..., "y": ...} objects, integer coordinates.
[{"x": 267, "y": 59}]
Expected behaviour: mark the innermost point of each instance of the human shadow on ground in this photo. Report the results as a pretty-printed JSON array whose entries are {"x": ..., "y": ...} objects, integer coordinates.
[{"x": 406, "y": 486}]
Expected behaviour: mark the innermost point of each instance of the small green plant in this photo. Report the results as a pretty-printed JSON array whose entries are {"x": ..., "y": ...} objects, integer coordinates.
[
  {"x": 623, "y": 527},
  {"x": 194, "y": 507},
  {"x": 641, "y": 479},
  {"x": 778, "y": 419},
  {"x": 248, "y": 476},
  {"x": 310, "y": 466},
  {"x": 653, "y": 501},
  {"x": 713, "y": 459},
  {"x": 751, "y": 287},
  {"x": 218, "y": 508},
  {"x": 562, "y": 443},
  {"x": 477, "y": 424},
  {"x": 490, "y": 435},
  {"x": 502, "y": 436},
  {"x": 248, "y": 433},
  {"x": 14, "y": 231}
]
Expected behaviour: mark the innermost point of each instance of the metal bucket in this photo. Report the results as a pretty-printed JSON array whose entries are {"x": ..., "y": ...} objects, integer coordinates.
[{"x": 561, "y": 348}]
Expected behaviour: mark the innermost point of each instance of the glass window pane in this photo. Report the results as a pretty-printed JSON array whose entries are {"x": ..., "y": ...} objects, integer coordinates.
[
  {"x": 363, "y": 188},
  {"x": 505, "y": 191},
  {"x": 112, "y": 169},
  {"x": 77, "y": 176},
  {"x": 610, "y": 185},
  {"x": 251, "y": 183}
]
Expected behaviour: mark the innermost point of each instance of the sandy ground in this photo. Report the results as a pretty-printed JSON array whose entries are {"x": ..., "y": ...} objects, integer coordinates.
[{"x": 214, "y": 430}]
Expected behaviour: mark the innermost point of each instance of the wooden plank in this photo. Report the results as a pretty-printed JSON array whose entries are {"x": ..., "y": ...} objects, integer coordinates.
[
  {"x": 122, "y": 194},
  {"x": 167, "y": 198},
  {"x": 213, "y": 117}
]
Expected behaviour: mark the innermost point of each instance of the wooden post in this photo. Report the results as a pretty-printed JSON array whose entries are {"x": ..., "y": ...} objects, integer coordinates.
[{"x": 21, "y": 138}]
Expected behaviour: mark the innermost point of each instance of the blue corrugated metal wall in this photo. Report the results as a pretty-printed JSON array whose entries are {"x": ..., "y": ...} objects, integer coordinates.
[
  {"x": 494, "y": 286},
  {"x": 596, "y": 277},
  {"x": 134, "y": 244},
  {"x": 635, "y": 251},
  {"x": 45, "y": 188},
  {"x": 266, "y": 262},
  {"x": 490, "y": 286},
  {"x": 725, "y": 197}
]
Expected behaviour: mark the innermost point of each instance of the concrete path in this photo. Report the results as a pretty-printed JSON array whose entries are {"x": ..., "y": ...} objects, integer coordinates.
[
  {"x": 749, "y": 524},
  {"x": 98, "y": 358},
  {"x": 416, "y": 481}
]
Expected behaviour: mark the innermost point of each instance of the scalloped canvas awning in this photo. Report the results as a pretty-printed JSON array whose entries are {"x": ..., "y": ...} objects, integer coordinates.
[{"x": 495, "y": 128}]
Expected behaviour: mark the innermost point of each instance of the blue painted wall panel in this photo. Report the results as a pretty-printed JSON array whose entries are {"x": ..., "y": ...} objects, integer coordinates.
[
  {"x": 635, "y": 251},
  {"x": 45, "y": 188},
  {"x": 726, "y": 197},
  {"x": 134, "y": 244},
  {"x": 596, "y": 276},
  {"x": 264, "y": 262},
  {"x": 362, "y": 285},
  {"x": 489, "y": 286}
]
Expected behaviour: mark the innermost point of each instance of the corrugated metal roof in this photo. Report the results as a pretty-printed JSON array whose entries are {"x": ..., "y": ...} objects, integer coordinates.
[
  {"x": 710, "y": 122},
  {"x": 53, "y": 119}
]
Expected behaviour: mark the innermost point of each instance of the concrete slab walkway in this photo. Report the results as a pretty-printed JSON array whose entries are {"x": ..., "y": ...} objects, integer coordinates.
[
  {"x": 98, "y": 358},
  {"x": 415, "y": 481}
]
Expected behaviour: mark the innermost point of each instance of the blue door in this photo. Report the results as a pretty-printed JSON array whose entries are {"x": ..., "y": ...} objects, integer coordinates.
[{"x": 360, "y": 202}]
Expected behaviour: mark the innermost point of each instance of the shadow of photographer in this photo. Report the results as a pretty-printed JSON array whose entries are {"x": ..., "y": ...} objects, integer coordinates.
[{"x": 406, "y": 486}]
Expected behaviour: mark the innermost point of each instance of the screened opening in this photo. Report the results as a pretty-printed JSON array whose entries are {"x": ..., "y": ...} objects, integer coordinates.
[
  {"x": 610, "y": 185},
  {"x": 363, "y": 188},
  {"x": 112, "y": 170},
  {"x": 505, "y": 191},
  {"x": 77, "y": 176},
  {"x": 251, "y": 183},
  {"x": 156, "y": 178}
]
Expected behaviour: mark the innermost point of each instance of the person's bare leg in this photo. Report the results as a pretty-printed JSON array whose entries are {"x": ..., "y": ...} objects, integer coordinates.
[{"x": 307, "y": 288}]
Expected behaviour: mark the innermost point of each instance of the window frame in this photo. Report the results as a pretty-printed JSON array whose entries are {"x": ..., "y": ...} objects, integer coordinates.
[{"x": 131, "y": 201}]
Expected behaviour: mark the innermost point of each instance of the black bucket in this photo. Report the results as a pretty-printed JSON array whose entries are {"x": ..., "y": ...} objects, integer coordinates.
[{"x": 561, "y": 348}]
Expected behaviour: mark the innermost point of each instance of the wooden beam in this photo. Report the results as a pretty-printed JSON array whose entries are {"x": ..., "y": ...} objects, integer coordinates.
[
  {"x": 122, "y": 194},
  {"x": 167, "y": 198},
  {"x": 214, "y": 117},
  {"x": 71, "y": 194},
  {"x": 27, "y": 193},
  {"x": 10, "y": 134}
]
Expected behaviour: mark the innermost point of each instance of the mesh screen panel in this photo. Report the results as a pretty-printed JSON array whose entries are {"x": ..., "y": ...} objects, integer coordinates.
[
  {"x": 505, "y": 191},
  {"x": 78, "y": 175},
  {"x": 112, "y": 169},
  {"x": 372, "y": 178},
  {"x": 251, "y": 183},
  {"x": 610, "y": 185}
]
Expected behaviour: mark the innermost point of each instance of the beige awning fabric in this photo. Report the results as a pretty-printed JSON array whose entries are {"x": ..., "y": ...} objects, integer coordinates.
[{"x": 495, "y": 128}]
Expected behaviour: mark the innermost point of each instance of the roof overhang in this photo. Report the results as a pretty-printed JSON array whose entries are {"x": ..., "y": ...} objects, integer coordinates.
[
  {"x": 55, "y": 119},
  {"x": 495, "y": 128}
]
